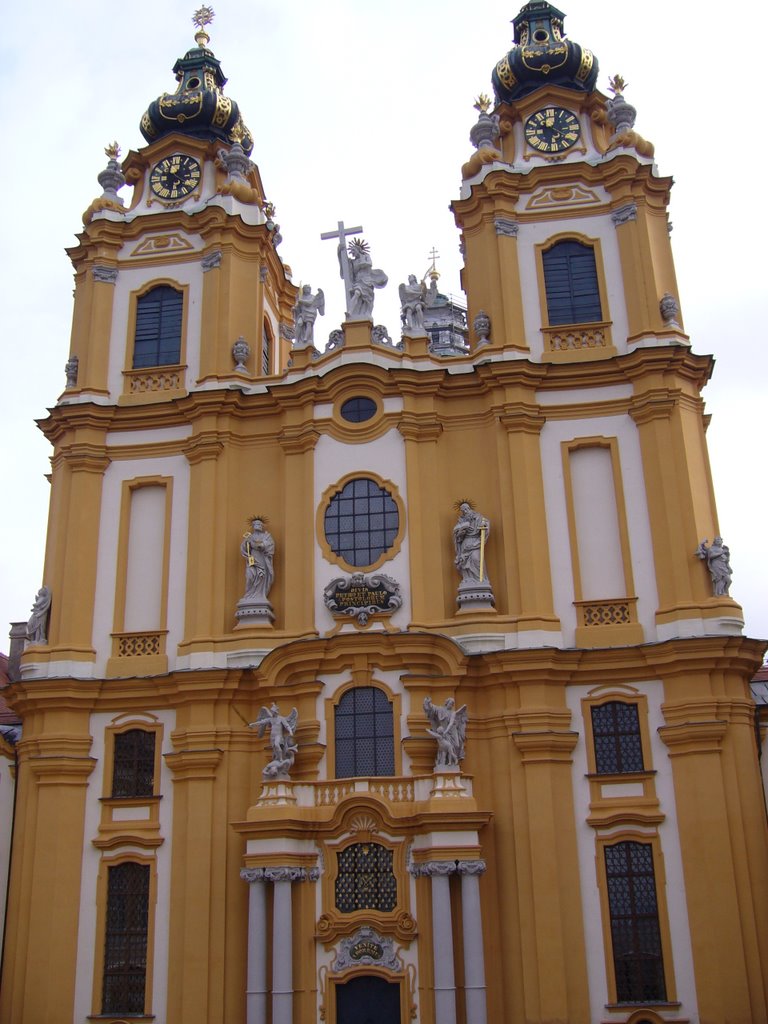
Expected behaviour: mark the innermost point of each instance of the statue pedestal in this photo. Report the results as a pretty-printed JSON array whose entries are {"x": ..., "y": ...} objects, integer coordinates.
[
  {"x": 254, "y": 613},
  {"x": 446, "y": 783},
  {"x": 475, "y": 595},
  {"x": 277, "y": 792}
]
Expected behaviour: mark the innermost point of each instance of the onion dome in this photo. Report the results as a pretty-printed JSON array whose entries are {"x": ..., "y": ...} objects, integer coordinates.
[
  {"x": 542, "y": 56},
  {"x": 199, "y": 106}
]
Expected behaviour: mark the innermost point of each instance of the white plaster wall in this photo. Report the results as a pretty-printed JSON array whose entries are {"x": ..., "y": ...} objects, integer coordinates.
[
  {"x": 7, "y": 788},
  {"x": 177, "y": 467},
  {"x": 131, "y": 279},
  {"x": 599, "y": 226},
  {"x": 638, "y": 525},
  {"x": 597, "y": 524},
  {"x": 385, "y": 457},
  {"x": 89, "y": 944},
  {"x": 682, "y": 956},
  {"x": 144, "y": 576}
]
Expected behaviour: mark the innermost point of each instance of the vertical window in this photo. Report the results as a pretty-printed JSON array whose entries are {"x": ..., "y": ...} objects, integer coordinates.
[
  {"x": 133, "y": 766},
  {"x": 570, "y": 278},
  {"x": 266, "y": 344},
  {"x": 366, "y": 880},
  {"x": 125, "y": 945},
  {"x": 158, "y": 328},
  {"x": 364, "y": 732},
  {"x": 616, "y": 732},
  {"x": 635, "y": 934}
]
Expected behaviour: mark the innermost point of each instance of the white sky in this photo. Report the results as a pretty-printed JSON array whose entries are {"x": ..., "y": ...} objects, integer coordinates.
[{"x": 362, "y": 111}]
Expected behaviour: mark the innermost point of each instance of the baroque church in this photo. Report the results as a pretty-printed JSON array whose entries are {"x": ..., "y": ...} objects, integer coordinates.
[{"x": 309, "y": 730}]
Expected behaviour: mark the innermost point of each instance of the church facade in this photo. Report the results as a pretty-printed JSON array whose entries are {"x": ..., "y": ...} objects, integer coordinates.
[{"x": 398, "y": 681}]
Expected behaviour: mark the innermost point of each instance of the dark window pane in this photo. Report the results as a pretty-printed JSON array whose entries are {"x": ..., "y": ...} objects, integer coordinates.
[
  {"x": 157, "y": 341},
  {"x": 358, "y": 410},
  {"x": 365, "y": 879},
  {"x": 133, "y": 770},
  {"x": 616, "y": 731},
  {"x": 361, "y": 522},
  {"x": 364, "y": 733},
  {"x": 125, "y": 942},
  {"x": 570, "y": 279}
]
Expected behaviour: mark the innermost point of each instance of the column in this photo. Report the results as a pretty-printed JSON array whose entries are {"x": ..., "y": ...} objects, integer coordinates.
[
  {"x": 474, "y": 958},
  {"x": 442, "y": 940},
  {"x": 256, "y": 973},
  {"x": 282, "y": 941}
]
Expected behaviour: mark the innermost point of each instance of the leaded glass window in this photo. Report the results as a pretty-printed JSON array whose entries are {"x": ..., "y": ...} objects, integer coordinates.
[
  {"x": 616, "y": 732},
  {"x": 158, "y": 328},
  {"x": 635, "y": 934},
  {"x": 364, "y": 733},
  {"x": 133, "y": 767},
  {"x": 361, "y": 522},
  {"x": 570, "y": 279},
  {"x": 365, "y": 880},
  {"x": 125, "y": 945}
]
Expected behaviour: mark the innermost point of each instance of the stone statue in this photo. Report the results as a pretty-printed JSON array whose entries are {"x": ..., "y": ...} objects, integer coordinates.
[
  {"x": 305, "y": 313},
  {"x": 281, "y": 733},
  {"x": 363, "y": 279},
  {"x": 37, "y": 627},
  {"x": 718, "y": 559},
  {"x": 470, "y": 536},
  {"x": 70, "y": 369},
  {"x": 258, "y": 550},
  {"x": 413, "y": 297},
  {"x": 449, "y": 727}
]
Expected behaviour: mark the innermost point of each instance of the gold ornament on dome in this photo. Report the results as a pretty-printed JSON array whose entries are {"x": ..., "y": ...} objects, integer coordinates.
[
  {"x": 482, "y": 103},
  {"x": 617, "y": 85},
  {"x": 112, "y": 150},
  {"x": 203, "y": 16}
]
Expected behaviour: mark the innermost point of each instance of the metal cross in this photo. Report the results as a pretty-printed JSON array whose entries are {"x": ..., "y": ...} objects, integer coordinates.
[{"x": 346, "y": 273}]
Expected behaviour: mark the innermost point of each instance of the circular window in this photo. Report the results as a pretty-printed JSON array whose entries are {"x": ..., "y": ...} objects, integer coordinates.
[
  {"x": 361, "y": 522},
  {"x": 193, "y": 83},
  {"x": 358, "y": 409}
]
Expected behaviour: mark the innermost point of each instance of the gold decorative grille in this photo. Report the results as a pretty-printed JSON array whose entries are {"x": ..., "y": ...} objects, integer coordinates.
[{"x": 365, "y": 880}]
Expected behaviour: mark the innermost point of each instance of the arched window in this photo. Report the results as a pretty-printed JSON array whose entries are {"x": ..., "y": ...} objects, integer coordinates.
[
  {"x": 125, "y": 941},
  {"x": 133, "y": 767},
  {"x": 364, "y": 734},
  {"x": 570, "y": 279},
  {"x": 616, "y": 732},
  {"x": 266, "y": 348},
  {"x": 158, "y": 328}
]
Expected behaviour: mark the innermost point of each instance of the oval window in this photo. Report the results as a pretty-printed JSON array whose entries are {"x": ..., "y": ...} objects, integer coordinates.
[
  {"x": 361, "y": 522},
  {"x": 358, "y": 409}
]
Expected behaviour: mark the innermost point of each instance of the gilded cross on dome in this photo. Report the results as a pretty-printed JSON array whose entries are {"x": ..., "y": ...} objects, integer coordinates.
[{"x": 203, "y": 16}]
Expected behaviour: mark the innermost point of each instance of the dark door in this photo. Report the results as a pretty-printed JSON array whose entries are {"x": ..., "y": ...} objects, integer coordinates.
[{"x": 368, "y": 999}]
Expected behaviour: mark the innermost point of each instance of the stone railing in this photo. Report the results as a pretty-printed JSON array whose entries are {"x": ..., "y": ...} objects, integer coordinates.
[
  {"x": 157, "y": 378},
  {"x": 577, "y": 337}
]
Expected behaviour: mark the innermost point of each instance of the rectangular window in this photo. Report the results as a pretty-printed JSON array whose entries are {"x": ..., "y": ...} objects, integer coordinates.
[
  {"x": 617, "y": 739},
  {"x": 125, "y": 941},
  {"x": 634, "y": 917},
  {"x": 265, "y": 360},
  {"x": 133, "y": 768}
]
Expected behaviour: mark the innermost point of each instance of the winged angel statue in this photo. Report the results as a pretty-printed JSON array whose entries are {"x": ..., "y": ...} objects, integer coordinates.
[
  {"x": 449, "y": 727},
  {"x": 281, "y": 733}
]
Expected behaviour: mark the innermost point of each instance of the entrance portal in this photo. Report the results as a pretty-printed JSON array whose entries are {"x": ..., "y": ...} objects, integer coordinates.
[{"x": 368, "y": 999}]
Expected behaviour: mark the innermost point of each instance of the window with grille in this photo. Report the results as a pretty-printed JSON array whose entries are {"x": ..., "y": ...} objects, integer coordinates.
[
  {"x": 616, "y": 733},
  {"x": 364, "y": 734},
  {"x": 635, "y": 934},
  {"x": 361, "y": 522},
  {"x": 365, "y": 880},
  {"x": 133, "y": 765},
  {"x": 125, "y": 945},
  {"x": 158, "y": 328},
  {"x": 570, "y": 279},
  {"x": 265, "y": 347}
]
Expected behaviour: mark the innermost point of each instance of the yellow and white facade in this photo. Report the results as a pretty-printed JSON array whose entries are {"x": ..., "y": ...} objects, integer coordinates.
[{"x": 499, "y": 888}]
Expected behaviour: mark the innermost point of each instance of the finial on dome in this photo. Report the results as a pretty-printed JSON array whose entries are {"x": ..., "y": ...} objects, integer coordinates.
[
  {"x": 203, "y": 16},
  {"x": 482, "y": 103},
  {"x": 112, "y": 150},
  {"x": 617, "y": 85}
]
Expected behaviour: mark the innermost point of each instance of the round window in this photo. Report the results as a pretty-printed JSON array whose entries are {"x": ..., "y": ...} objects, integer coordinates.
[
  {"x": 358, "y": 409},
  {"x": 361, "y": 522}
]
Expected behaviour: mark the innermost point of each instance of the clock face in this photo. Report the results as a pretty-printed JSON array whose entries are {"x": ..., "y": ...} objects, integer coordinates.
[
  {"x": 552, "y": 130},
  {"x": 175, "y": 177}
]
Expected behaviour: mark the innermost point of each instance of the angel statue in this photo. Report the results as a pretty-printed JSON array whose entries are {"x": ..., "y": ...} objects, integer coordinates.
[
  {"x": 413, "y": 297},
  {"x": 449, "y": 727},
  {"x": 305, "y": 313},
  {"x": 718, "y": 558},
  {"x": 281, "y": 733}
]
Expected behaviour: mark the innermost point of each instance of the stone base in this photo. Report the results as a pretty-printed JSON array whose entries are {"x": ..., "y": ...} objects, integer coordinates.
[
  {"x": 254, "y": 613},
  {"x": 447, "y": 783},
  {"x": 475, "y": 597},
  {"x": 276, "y": 793}
]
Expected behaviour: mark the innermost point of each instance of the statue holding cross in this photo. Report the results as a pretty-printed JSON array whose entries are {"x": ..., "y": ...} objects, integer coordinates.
[{"x": 357, "y": 271}]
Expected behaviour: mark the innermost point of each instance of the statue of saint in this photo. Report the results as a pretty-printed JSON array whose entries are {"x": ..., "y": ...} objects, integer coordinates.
[
  {"x": 470, "y": 535},
  {"x": 258, "y": 550},
  {"x": 37, "y": 627},
  {"x": 413, "y": 297},
  {"x": 305, "y": 313},
  {"x": 718, "y": 559},
  {"x": 363, "y": 279},
  {"x": 449, "y": 727},
  {"x": 281, "y": 733}
]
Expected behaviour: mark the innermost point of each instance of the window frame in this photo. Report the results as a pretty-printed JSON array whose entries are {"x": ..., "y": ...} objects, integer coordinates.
[
  {"x": 330, "y": 492},
  {"x": 332, "y": 703},
  {"x": 348, "y": 693},
  {"x": 144, "y": 296},
  {"x": 129, "y": 373},
  {"x": 608, "y": 695},
  {"x": 123, "y": 725}
]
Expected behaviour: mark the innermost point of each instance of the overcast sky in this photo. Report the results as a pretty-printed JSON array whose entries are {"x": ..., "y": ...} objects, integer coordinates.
[{"x": 362, "y": 111}]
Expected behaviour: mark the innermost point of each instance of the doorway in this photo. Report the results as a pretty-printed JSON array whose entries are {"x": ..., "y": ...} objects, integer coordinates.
[{"x": 368, "y": 999}]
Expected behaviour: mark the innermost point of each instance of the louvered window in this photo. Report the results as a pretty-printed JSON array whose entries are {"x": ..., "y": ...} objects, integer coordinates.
[
  {"x": 570, "y": 277},
  {"x": 133, "y": 767},
  {"x": 635, "y": 934},
  {"x": 365, "y": 742},
  {"x": 158, "y": 328},
  {"x": 616, "y": 732},
  {"x": 125, "y": 945}
]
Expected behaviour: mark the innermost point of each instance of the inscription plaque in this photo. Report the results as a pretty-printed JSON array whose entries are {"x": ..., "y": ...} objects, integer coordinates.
[{"x": 361, "y": 596}]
